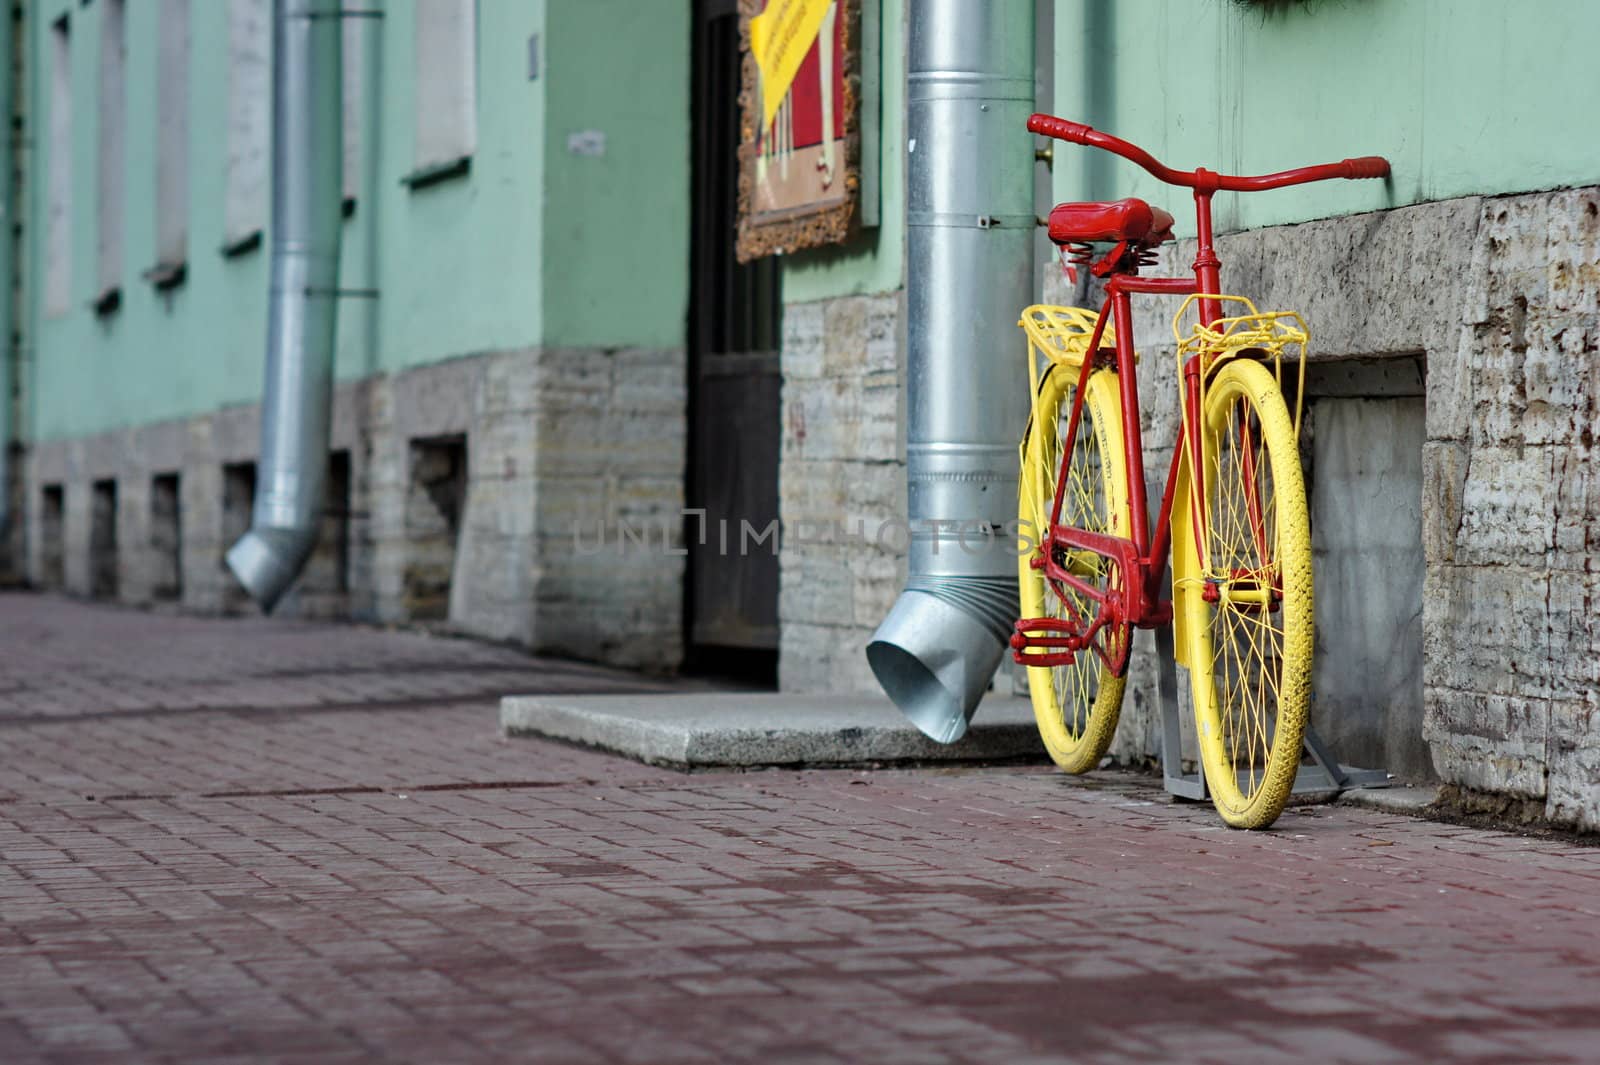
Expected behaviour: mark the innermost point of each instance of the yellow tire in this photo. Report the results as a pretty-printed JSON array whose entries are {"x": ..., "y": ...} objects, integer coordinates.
[
  {"x": 1247, "y": 610},
  {"x": 1076, "y": 706}
]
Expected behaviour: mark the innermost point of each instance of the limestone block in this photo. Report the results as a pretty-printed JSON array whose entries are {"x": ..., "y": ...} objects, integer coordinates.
[
  {"x": 803, "y": 331},
  {"x": 649, "y": 380},
  {"x": 75, "y": 537},
  {"x": 824, "y": 658},
  {"x": 506, "y": 447},
  {"x": 879, "y": 433},
  {"x": 575, "y": 379},
  {"x": 874, "y": 493},
  {"x": 1492, "y": 743},
  {"x": 1507, "y": 505},
  {"x": 135, "y": 566},
  {"x": 1577, "y": 508},
  {"x": 1559, "y": 375},
  {"x": 1574, "y": 762},
  {"x": 811, "y": 491},
  {"x": 1573, "y": 635},
  {"x": 1444, "y": 472},
  {"x": 815, "y": 585},
  {"x": 1516, "y": 230},
  {"x": 649, "y": 499},
  {"x": 883, "y": 335},
  {"x": 876, "y": 580},
  {"x": 436, "y": 400},
  {"x": 1497, "y": 361},
  {"x": 502, "y": 508},
  {"x": 1451, "y": 386},
  {"x": 1574, "y": 242},
  {"x": 844, "y": 336},
  {"x": 1485, "y": 629},
  {"x": 822, "y": 419},
  {"x": 508, "y": 385}
]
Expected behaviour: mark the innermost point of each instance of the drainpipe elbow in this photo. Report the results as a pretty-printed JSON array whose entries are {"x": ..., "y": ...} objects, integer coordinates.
[{"x": 267, "y": 559}]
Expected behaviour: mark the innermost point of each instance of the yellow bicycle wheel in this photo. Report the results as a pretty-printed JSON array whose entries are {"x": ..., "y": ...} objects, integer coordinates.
[
  {"x": 1076, "y": 706},
  {"x": 1247, "y": 609}
]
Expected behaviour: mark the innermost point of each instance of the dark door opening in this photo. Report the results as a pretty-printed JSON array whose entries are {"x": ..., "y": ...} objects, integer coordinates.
[{"x": 731, "y": 601}]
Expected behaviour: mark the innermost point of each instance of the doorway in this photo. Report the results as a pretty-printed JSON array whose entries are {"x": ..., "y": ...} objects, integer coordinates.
[{"x": 731, "y": 598}]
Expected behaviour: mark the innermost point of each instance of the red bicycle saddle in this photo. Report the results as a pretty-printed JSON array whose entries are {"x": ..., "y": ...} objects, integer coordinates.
[{"x": 1130, "y": 220}]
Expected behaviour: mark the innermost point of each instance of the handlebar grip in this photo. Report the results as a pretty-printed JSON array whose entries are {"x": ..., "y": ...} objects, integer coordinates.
[
  {"x": 1367, "y": 166},
  {"x": 1062, "y": 130}
]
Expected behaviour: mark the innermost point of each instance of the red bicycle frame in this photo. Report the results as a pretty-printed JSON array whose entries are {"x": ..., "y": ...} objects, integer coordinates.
[{"x": 1142, "y": 556}]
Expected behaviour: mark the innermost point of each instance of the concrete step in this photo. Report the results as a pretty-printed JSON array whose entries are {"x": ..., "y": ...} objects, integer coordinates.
[{"x": 767, "y": 729}]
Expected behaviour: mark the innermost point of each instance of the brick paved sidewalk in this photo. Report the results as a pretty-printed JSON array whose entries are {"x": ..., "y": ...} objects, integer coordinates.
[{"x": 241, "y": 841}]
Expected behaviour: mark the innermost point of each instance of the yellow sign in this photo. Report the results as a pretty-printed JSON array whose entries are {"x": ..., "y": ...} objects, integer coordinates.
[{"x": 780, "y": 37}]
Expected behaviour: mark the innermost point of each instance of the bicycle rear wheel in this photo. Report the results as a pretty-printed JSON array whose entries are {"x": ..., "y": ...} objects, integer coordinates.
[
  {"x": 1075, "y": 706},
  {"x": 1248, "y": 613}
]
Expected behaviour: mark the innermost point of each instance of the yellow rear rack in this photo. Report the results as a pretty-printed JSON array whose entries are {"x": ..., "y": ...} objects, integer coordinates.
[{"x": 1060, "y": 334}]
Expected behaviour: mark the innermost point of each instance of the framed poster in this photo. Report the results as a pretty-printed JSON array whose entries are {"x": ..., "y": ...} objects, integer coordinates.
[{"x": 800, "y": 125}]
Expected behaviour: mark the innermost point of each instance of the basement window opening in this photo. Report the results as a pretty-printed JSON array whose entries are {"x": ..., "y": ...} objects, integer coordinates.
[
  {"x": 166, "y": 537},
  {"x": 238, "y": 500},
  {"x": 435, "y": 500},
  {"x": 327, "y": 571},
  {"x": 52, "y": 529},
  {"x": 103, "y": 582}
]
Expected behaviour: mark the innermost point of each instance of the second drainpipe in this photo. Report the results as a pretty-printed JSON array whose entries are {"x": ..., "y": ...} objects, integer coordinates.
[
  {"x": 969, "y": 239},
  {"x": 307, "y": 186}
]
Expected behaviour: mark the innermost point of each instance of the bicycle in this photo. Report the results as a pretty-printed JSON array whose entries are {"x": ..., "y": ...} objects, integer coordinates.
[{"x": 1233, "y": 514}]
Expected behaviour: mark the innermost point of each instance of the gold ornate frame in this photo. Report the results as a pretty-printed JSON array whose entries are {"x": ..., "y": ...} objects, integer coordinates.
[{"x": 777, "y": 232}]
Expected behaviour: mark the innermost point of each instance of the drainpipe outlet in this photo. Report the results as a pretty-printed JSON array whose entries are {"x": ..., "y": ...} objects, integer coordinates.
[{"x": 938, "y": 649}]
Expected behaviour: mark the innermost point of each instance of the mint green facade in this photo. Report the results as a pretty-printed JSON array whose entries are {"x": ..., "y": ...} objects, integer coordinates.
[
  {"x": 529, "y": 248},
  {"x": 539, "y": 245},
  {"x": 1464, "y": 97}
]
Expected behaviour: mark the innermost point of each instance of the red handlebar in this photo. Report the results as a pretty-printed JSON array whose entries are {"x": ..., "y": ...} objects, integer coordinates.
[
  {"x": 1059, "y": 128},
  {"x": 1367, "y": 166}
]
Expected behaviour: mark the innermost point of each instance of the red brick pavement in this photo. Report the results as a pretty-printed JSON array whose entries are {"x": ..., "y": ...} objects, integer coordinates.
[{"x": 241, "y": 841}]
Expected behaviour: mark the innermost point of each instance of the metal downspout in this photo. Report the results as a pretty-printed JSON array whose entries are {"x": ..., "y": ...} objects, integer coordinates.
[
  {"x": 969, "y": 237},
  {"x": 303, "y": 302}
]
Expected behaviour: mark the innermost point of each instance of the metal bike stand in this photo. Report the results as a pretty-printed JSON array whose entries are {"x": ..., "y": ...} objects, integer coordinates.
[{"x": 1325, "y": 775}]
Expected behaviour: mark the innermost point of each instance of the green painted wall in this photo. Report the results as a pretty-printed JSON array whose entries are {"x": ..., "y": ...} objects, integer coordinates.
[
  {"x": 540, "y": 244},
  {"x": 617, "y": 224},
  {"x": 1462, "y": 96},
  {"x": 460, "y": 260},
  {"x": 160, "y": 355},
  {"x": 510, "y": 256}
]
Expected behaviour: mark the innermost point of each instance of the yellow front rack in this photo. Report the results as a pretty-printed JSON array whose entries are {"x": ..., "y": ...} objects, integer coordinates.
[{"x": 1268, "y": 337}]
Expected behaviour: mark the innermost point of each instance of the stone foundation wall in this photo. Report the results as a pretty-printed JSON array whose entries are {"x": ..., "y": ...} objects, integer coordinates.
[
  {"x": 551, "y": 437},
  {"x": 842, "y": 477}
]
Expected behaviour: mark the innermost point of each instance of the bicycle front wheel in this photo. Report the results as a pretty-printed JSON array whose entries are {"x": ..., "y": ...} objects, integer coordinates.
[
  {"x": 1248, "y": 611},
  {"x": 1075, "y": 706}
]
